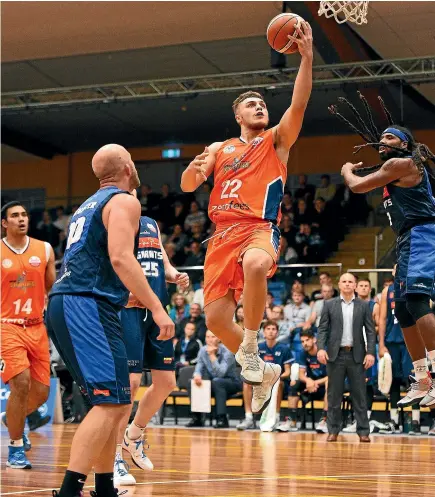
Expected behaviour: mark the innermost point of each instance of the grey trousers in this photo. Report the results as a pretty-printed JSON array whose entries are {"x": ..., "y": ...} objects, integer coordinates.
[{"x": 345, "y": 366}]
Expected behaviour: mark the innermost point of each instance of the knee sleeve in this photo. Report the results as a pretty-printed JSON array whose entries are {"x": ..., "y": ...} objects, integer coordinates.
[
  {"x": 402, "y": 314},
  {"x": 418, "y": 305}
]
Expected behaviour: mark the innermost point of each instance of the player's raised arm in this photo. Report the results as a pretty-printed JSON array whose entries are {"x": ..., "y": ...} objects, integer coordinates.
[
  {"x": 122, "y": 220},
  {"x": 391, "y": 170},
  {"x": 200, "y": 168},
  {"x": 288, "y": 129}
]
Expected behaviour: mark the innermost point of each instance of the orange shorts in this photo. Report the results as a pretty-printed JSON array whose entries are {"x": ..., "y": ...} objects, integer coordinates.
[
  {"x": 24, "y": 347},
  {"x": 223, "y": 264}
]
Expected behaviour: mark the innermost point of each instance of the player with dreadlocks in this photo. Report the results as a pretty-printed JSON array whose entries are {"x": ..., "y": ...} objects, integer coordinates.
[{"x": 408, "y": 199}]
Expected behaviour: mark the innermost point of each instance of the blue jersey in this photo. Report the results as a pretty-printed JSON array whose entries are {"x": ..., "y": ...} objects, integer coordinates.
[
  {"x": 393, "y": 332},
  {"x": 372, "y": 304},
  {"x": 150, "y": 257},
  {"x": 408, "y": 207},
  {"x": 86, "y": 267},
  {"x": 314, "y": 369},
  {"x": 279, "y": 354}
]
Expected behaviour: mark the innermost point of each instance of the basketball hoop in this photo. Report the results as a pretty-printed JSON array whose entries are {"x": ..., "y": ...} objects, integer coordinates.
[{"x": 345, "y": 11}]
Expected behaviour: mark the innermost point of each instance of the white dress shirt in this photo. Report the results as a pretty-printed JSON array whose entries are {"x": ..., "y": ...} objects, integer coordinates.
[{"x": 347, "y": 309}]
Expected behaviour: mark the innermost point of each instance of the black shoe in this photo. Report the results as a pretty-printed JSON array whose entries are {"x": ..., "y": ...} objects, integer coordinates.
[
  {"x": 222, "y": 422},
  {"x": 195, "y": 422},
  {"x": 415, "y": 428},
  {"x": 35, "y": 420},
  {"x": 116, "y": 494}
]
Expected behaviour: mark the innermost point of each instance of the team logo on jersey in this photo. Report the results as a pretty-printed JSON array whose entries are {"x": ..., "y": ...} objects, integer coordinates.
[
  {"x": 230, "y": 206},
  {"x": 278, "y": 353},
  {"x": 35, "y": 261},
  {"x": 257, "y": 141},
  {"x": 168, "y": 360},
  {"x": 151, "y": 227},
  {"x": 7, "y": 263},
  {"x": 106, "y": 393},
  {"x": 149, "y": 243},
  {"x": 229, "y": 149},
  {"x": 236, "y": 165}
]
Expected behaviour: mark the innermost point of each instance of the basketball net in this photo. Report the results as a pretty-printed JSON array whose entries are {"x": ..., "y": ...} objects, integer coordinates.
[{"x": 345, "y": 11}]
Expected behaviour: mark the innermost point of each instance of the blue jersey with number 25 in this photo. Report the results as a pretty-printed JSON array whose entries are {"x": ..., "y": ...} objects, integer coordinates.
[
  {"x": 86, "y": 268},
  {"x": 150, "y": 257}
]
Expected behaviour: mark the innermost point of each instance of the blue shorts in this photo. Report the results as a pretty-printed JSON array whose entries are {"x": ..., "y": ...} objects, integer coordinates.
[
  {"x": 144, "y": 351},
  {"x": 402, "y": 363},
  {"x": 415, "y": 262},
  {"x": 88, "y": 336}
]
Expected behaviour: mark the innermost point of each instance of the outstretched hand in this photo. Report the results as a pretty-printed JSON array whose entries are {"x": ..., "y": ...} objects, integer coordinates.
[{"x": 303, "y": 36}]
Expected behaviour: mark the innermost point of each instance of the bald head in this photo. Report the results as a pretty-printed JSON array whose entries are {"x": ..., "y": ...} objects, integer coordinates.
[{"x": 112, "y": 164}]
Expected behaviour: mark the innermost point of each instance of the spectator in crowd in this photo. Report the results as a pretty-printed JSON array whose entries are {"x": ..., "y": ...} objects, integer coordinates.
[
  {"x": 148, "y": 200},
  {"x": 297, "y": 313},
  {"x": 187, "y": 348},
  {"x": 287, "y": 205},
  {"x": 196, "y": 233},
  {"x": 218, "y": 364},
  {"x": 305, "y": 190},
  {"x": 179, "y": 309},
  {"x": 269, "y": 304},
  {"x": 342, "y": 347},
  {"x": 179, "y": 239},
  {"x": 298, "y": 286},
  {"x": 277, "y": 315},
  {"x": 354, "y": 206},
  {"x": 178, "y": 216},
  {"x": 195, "y": 257},
  {"x": 197, "y": 319},
  {"x": 196, "y": 216},
  {"x": 270, "y": 351},
  {"x": 62, "y": 220},
  {"x": 287, "y": 255},
  {"x": 312, "y": 384},
  {"x": 203, "y": 196},
  {"x": 288, "y": 231},
  {"x": 170, "y": 252},
  {"x": 239, "y": 316},
  {"x": 326, "y": 190},
  {"x": 164, "y": 205},
  {"x": 324, "y": 279},
  {"x": 313, "y": 322},
  {"x": 310, "y": 246},
  {"x": 188, "y": 292},
  {"x": 198, "y": 296},
  {"x": 303, "y": 214},
  {"x": 47, "y": 231}
]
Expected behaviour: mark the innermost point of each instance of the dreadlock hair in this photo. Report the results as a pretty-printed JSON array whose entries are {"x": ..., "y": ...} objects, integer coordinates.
[{"x": 420, "y": 153}]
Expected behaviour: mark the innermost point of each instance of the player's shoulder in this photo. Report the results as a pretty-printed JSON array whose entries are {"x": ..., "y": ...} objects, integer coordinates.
[
  {"x": 34, "y": 243},
  {"x": 123, "y": 199},
  {"x": 216, "y": 147}
]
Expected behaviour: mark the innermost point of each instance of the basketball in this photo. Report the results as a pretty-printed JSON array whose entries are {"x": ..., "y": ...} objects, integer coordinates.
[{"x": 278, "y": 30}]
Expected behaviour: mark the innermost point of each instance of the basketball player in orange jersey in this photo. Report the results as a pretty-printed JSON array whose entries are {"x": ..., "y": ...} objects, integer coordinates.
[
  {"x": 249, "y": 177},
  {"x": 28, "y": 273}
]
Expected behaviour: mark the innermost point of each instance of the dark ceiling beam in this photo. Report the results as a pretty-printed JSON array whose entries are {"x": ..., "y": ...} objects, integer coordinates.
[{"x": 28, "y": 144}]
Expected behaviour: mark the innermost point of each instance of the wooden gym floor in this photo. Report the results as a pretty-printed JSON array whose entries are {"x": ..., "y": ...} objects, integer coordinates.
[{"x": 224, "y": 463}]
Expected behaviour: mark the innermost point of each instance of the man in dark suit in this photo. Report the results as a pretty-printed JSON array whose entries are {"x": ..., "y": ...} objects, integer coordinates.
[{"x": 343, "y": 349}]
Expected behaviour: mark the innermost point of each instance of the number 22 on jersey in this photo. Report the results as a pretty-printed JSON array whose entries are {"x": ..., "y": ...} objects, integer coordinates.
[{"x": 230, "y": 188}]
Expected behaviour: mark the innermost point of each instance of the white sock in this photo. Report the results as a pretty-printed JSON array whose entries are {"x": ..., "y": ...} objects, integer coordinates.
[
  {"x": 250, "y": 340},
  {"x": 134, "y": 431},
  {"x": 277, "y": 417},
  {"x": 369, "y": 414},
  {"x": 394, "y": 415},
  {"x": 420, "y": 369},
  {"x": 119, "y": 450},
  {"x": 416, "y": 415},
  {"x": 431, "y": 355},
  {"x": 249, "y": 416},
  {"x": 16, "y": 443}
]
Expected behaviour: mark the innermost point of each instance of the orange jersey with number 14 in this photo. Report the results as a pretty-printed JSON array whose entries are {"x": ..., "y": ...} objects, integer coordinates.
[
  {"x": 249, "y": 181},
  {"x": 23, "y": 282}
]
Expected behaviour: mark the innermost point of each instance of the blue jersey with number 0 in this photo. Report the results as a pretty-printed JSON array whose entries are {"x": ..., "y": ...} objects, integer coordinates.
[{"x": 86, "y": 267}]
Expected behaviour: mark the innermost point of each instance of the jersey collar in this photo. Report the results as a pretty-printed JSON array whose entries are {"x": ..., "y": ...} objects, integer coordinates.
[{"x": 15, "y": 250}]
